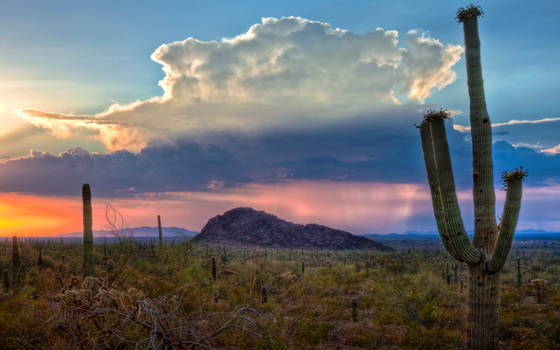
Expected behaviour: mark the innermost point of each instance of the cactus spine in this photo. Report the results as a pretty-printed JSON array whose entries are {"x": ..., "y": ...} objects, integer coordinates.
[
  {"x": 89, "y": 267},
  {"x": 159, "y": 231},
  {"x": 487, "y": 253}
]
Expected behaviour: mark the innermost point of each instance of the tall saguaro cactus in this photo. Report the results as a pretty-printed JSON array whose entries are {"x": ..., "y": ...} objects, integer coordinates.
[
  {"x": 6, "y": 281},
  {"x": 89, "y": 265},
  {"x": 159, "y": 231},
  {"x": 487, "y": 253},
  {"x": 16, "y": 263}
]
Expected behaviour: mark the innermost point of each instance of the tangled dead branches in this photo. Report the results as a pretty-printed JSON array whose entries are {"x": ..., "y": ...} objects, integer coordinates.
[{"x": 96, "y": 315}]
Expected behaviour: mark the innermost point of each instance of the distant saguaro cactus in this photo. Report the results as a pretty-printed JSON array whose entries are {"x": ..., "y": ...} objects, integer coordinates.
[
  {"x": 354, "y": 309},
  {"x": 16, "y": 263},
  {"x": 264, "y": 295},
  {"x": 455, "y": 274},
  {"x": 159, "y": 231},
  {"x": 6, "y": 280},
  {"x": 214, "y": 272},
  {"x": 40, "y": 259},
  {"x": 487, "y": 253},
  {"x": 519, "y": 274},
  {"x": 89, "y": 264}
]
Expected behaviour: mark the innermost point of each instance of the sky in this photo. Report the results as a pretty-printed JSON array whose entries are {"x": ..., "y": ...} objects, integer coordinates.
[{"x": 304, "y": 109}]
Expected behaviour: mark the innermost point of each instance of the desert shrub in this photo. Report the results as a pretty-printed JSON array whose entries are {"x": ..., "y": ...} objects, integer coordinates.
[{"x": 404, "y": 302}]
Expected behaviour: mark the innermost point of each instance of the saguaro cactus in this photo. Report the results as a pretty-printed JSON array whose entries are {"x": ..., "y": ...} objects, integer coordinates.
[
  {"x": 6, "y": 281},
  {"x": 264, "y": 295},
  {"x": 214, "y": 272},
  {"x": 519, "y": 274},
  {"x": 16, "y": 263},
  {"x": 89, "y": 265},
  {"x": 159, "y": 231},
  {"x": 487, "y": 253},
  {"x": 354, "y": 309},
  {"x": 40, "y": 258},
  {"x": 455, "y": 274}
]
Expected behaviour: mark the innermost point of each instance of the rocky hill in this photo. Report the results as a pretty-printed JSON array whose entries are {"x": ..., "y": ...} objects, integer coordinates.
[{"x": 249, "y": 227}]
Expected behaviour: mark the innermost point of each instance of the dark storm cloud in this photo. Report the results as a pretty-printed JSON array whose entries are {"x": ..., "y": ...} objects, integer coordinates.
[
  {"x": 341, "y": 152},
  {"x": 179, "y": 166}
]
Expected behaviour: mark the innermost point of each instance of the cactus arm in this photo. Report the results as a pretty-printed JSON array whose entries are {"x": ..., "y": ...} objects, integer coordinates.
[
  {"x": 481, "y": 133},
  {"x": 507, "y": 224},
  {"x": 444, "y": 198}
]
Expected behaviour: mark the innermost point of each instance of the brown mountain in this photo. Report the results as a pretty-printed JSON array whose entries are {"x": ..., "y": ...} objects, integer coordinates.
[{"x": 249, "y": 227}]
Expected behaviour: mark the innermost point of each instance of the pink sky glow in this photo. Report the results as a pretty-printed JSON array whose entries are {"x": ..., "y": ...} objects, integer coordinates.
[{"x": 358, "y": 207}]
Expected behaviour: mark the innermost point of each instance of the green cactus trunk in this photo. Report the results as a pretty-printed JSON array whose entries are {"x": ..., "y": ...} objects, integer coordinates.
[
  {"x": 484, "y": 287},
  {"x": 89, "y": 264},
  {"x": 484, "y": 298},
  {"x": 159, "y": 231},
  {"x": 491, "y": 244}
]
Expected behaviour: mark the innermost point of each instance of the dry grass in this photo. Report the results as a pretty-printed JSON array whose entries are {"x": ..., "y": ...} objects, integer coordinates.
[{"x": 145, "y": 297}]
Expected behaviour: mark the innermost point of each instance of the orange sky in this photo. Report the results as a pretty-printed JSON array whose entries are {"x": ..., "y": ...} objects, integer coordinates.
[
  {"x": 354, "y": 206},
  {"x": 26, "y": 215},
  {"x": 343, "y": 205}
]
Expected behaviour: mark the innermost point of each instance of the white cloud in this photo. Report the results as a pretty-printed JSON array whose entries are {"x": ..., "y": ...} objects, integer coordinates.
[
  {"x": 463, "y": 128},
  {"x": 539, "y": 134},
  {"x": 285, "y": 72}
]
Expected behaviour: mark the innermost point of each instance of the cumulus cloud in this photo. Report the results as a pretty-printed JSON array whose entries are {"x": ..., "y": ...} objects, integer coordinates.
[{"x": 287, "y": 72}]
